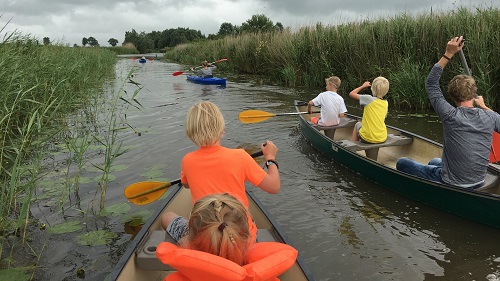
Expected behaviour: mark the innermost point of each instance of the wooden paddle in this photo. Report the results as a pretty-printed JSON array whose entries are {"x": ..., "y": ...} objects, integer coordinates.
[
  {"x": 142, "y": 193},
  {"x": 495, "y": 145},
  {"x": 177, "y": 73},
  {"x": 255, "y": 116}
]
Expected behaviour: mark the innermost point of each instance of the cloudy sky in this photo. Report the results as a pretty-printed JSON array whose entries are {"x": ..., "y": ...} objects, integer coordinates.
[{"x": 68, "y": 21}]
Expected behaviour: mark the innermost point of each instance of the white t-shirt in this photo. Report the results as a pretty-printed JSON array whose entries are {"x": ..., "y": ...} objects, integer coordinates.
[{"x": 332, "y": 104}]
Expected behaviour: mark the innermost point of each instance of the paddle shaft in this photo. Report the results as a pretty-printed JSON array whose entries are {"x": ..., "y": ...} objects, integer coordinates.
[
  {"x": 255, "y": 116},
  {"x": 166, "y": 185},
  {"x": 464, "y": 62}
]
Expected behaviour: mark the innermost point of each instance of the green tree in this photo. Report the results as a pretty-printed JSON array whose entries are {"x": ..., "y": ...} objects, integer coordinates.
[
  {"x": 278, "y": 26},
  {"x": 258, "y": 23},
  {"x": 85, "y": 41},
  {"x": 92, "y": 41},
  {"x": 112, "y": 41},
  {"x": 227, "y": 28},
  {"x": 46, "y": 41}
]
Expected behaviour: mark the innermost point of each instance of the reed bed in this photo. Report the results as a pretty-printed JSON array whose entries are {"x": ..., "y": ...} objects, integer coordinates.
[
  {"x": 40, "y": 86},
  {"x": 401, "y": 48}
]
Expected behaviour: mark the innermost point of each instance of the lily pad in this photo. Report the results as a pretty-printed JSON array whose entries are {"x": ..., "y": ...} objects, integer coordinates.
[
  {"x": 154, "y": 172},
  {"x": 110, "y": 178},
  {"x": 66, "y": 227},
  {"x": 85, "y": 180},
  {"x": 138, "y": 217},
  {"x": 96, "y": 238},
  {"x": 116, "y": 209},
  {"x": 18, "y": 274},
  {"x": 118, "y": 168}
]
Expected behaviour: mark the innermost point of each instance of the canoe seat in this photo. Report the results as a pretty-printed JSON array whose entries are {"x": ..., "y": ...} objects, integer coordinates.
[
  {"x": 330, "y": 130},
  {"x": 491, "y": 183},
  {"x": 146, "y": 251},
  {"x": 371, "y": 149}
]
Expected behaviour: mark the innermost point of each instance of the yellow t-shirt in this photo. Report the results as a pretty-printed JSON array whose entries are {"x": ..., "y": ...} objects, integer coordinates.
[{"x": 373, "y": 127}]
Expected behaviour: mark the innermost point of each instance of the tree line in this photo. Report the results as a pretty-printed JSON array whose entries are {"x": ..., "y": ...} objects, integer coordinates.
[{"x": 157, "y": 40}]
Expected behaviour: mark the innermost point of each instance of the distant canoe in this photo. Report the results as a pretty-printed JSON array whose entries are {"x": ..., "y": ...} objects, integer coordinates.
[{"x": 207, "y": 80}]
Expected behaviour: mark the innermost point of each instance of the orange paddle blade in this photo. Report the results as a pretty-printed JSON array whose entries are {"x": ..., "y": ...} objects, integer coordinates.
[
  {"x": 142, "y": 193},
  {"x": 254, "y": 116},
  {"x": 495, "y": 148}
]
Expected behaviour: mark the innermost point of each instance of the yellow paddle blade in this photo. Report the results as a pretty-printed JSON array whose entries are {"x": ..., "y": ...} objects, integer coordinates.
[
  {"x": 142, "y": 193},
  {"x": 254, "y": 116}
]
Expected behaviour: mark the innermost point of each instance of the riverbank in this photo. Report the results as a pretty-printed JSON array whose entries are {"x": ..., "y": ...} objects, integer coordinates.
[
  {"x": 41, "y": 86},
  {"x": 401, "y": 48}
]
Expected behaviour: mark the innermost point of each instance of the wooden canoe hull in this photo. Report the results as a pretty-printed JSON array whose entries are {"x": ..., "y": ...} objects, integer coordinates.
[
  {"x": 179, "y": 201},
  {"x": 482, "y": 205}
]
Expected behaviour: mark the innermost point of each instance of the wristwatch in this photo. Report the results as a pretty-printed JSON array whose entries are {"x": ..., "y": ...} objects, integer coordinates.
[{"x": 271, "y": 162}]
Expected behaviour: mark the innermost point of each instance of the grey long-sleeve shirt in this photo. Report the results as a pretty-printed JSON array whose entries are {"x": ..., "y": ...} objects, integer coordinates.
[{"x": 467, "y": 136}]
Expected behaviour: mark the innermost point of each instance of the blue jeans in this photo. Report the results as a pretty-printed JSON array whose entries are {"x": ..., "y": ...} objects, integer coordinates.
[{"x": 431, "y": 171}]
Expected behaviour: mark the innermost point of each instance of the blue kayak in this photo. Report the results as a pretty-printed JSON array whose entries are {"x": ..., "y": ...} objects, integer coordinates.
[
  {"x": 142, "y": 60},
  {"x": 207, "y": 80}
]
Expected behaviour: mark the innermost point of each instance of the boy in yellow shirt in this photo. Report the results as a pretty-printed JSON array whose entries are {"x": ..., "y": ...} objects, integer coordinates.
[{"x": 372, "y": 127}]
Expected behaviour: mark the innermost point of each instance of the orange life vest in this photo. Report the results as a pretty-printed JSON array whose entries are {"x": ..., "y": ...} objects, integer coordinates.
[{"x": 267, "y": 260}]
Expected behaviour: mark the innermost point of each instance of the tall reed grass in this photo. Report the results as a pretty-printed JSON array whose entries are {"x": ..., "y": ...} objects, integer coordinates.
[
  {"x": 402, "y": 48},
  {"x": 40, "y": 85}
]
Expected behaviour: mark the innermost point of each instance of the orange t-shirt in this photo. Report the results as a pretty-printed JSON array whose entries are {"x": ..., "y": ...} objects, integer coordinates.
[{"x": 217, "y": 169}]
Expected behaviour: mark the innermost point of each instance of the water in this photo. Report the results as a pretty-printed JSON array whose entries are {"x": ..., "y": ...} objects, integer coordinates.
[{"x": 344, "y": 226}]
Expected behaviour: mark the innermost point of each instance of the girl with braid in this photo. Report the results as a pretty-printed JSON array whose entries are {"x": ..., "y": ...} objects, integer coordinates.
[{"x": 217, "y": 225}]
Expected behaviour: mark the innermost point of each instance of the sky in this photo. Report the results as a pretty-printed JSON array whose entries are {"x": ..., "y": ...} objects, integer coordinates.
[{"x": 69, "y": 21}]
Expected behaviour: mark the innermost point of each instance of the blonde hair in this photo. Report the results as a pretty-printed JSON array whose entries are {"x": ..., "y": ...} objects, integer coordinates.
[
  {"x": 219, "y": 225},
  {"x": 380, "y": 87},
  {"x": 462, "y": 88},
  {"x": 204, "y": 123},
  {"x": 334, "y": 80}
]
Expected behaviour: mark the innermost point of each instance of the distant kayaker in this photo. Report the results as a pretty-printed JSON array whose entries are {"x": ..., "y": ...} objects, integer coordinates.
[
  {"x": 467, "y": 129},
  {"x": 332, "y": 104},
  {"x": 206, "y": 70},
  {"x": 213, "y": 168},
  {"x": 372, "y": 127}
]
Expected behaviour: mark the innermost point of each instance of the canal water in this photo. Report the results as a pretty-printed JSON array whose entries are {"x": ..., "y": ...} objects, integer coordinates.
[{"x": 344, "y": 226}]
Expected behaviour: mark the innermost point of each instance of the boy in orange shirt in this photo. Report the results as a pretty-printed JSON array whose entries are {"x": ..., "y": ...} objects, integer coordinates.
[{"x": 213, "y": 169}]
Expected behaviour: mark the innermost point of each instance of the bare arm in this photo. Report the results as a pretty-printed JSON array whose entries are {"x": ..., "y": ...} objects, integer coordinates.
[
  {"x": 309, "y": 107},
  {"x": 271, "y": 182},
  {"x": 355, "y": 93}
]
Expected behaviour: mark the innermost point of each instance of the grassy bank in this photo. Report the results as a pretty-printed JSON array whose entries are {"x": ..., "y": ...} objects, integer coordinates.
[
  {"x": 401, "y": 48},
  {"x": 40, "y": 86}
]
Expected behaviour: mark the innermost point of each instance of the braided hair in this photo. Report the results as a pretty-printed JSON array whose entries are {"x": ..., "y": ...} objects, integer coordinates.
[{"x": 219, "y": 225}]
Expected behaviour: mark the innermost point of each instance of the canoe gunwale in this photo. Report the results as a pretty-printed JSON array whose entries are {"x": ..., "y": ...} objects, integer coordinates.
[{"x": 139, "y": 239}]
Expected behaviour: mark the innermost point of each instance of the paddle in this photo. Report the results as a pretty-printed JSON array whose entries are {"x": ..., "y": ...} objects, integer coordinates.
[
  {"x": 142, "y": 193},
  {"x": 255, "y": 116},
  {"x": 495, "y": 145},
  {"x": 177, "y": 73}
]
